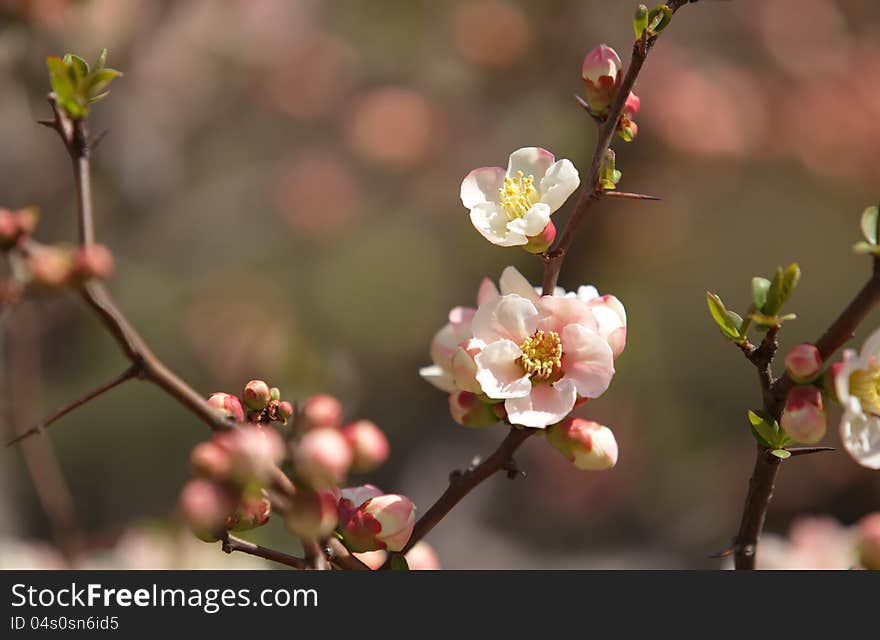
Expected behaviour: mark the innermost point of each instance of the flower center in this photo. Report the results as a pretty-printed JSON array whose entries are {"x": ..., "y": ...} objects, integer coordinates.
[
  {"x": 541, "y": 355},
  {"x": 518, "y": 195},
  {"x": 865, "y": 385}
]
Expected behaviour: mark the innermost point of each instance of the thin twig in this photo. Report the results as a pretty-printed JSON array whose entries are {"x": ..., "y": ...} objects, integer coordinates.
[
  {"x": 128, "y": 374},
  {"x": 232, "y": 543},
  {"x": 343, "y": 558},
  {"x": 315, "y": 558}
]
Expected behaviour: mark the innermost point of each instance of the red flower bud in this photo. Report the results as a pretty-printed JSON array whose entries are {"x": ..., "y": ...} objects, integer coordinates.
[
  {"x": 322, "y": 457},
  {"x": 368, "y": 444},
  {"x": 228, "y": 405},
  {"x": 205, "y": 506},
  {"x": 50, "y": 266},
  {"x": 803, "y": 363},
  {"x": 312, "y": 514},
  {"x": 252, "y": 512},
  {"x": 253, "y": 451},
  {"x": 210, "y": 460},
  {"x": 284, "y": 410},
  {"x": 256, "y": 395},
  {"x": 94, "y": 261},
  {"x": 543, "y": 241},
  {"x": 370, "y": 520},
  {"x": 322, "y": 411},
  {"x": 602, "y": 75},
  {"x": 589, "y": 445},
  {"x": 27, "y": 219},
  {"x": 8, "y": 229},
  {"x": 804, "y": 417}
]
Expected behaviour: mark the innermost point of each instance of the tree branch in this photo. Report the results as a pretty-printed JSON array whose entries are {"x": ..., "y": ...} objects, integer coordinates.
[
  {"x": 343, "y": 558},
  {"x": 232, "y": 543}
]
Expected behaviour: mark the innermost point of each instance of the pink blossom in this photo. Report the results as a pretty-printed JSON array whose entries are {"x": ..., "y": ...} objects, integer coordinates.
[
  {"x": 312, "y": 515},
  {"x": 322, "y": 411},
  {"x": 229, "y": 406},
  {"x": 368, "y": 444},
  {"x": 601, "y": 72},
  {"x": 322, "y": 457},
  {"x": 804, "y": 417},
  {"x": 256, "y": 394},
  {"x": 589, "y": 445},
  {"x": 803, "y": 363},
  {"x": 370, "y": 520}
]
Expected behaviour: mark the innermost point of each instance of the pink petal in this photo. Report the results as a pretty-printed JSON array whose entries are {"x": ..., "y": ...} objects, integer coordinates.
[
  {"x": 547, "y": 404},
  {"x": 498, "y": 373},
  {"x": 481, "y": 185},
  {"x": 587, "y": 360}
]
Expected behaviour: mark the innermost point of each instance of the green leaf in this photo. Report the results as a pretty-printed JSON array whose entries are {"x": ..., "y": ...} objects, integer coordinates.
[
  {"x": 760, "y": 287},
  {"x": 63, "y": 86},
  {"x": 659, "y": 19},
  {"x": 399, "y": 563},
  {"x": 782, "y": 454},
  {"x": 98, "y": 81},
  {"x": 728, "y": 322},
  {"x": 102, "y": 60},
  {"x": 766, "y": 431},
  {"x": 79, "y": 66},
  {"x": 784, "y": 283},
  {"x": 640, "y": 21},
  {"x": 870, "y": 220}
]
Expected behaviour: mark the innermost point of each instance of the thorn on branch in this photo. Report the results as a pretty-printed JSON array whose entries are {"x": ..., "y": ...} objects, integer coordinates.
[
  {"x": 624, "y": 195},
  {"x": 97, "y": 139},
  {"x": 729, "y": 551},
  {"x": 805, "y": 451}
]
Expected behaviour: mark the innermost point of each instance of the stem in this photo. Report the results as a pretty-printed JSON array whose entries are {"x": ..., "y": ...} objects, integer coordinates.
[
  {"x": 755, "y": 511},
  {"x": 82, "y": 173},
  {"x": 461, "y": 485},
  {"x": 128, "y": 374},
  {"x": 342, "y": 557},
  {"x": 231, "y": 543},
  {"x": 315, "y": 557}
]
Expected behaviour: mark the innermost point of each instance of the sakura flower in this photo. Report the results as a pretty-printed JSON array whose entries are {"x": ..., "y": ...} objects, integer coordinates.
[
  {"x": 509, "y": 207},
  {"x": 540, "y": 355},
  {"x": 857, "y": 383}
]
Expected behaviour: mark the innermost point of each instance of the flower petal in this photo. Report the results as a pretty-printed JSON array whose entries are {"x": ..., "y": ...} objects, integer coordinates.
[
  {"x": 498, "y": 373},
  {"x": 532, "y": 161},
  {"x": 587, "y": 360},
  {"x": 871, "y": 349},
  {"x": 487, "y": 292},
  {"x": 512, "y": 281},
  {"x": 491, "y": 222},
  {"x": 860, "y": 435},
  {"x": 441, "y": 379},
  {"x": 547, "y": 404},
  {"x": 533, "y": 222},
  {"x": 481, "y": 185},
  {"x": 841, "y": 378},
  {"x": 510, "y": 317},
  {"x": 558, "y": 184},
  {"x": 558, "y": 312}
]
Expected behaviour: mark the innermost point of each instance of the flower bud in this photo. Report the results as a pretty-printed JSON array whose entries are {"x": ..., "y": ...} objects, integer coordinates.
[
  {"x": 322, "y": 457},
  {"x": 8, "y": 229},
  {"x": 254, "y": 452},
  {"x": 543, "y": 241},
  {"x": 312, "y": 514},
  {"x": 373, "y": 559},
  {"x": 205, "y": 506},
  {"x": 50, "y": 266},
  {"x": 422, "y": 557},
  {"x": 252, "y": 512},
  {"x": 210, "y": 460},
  {"x": 589, "y": 445},
  {"x": 275, "y": 394},
  {"x": 602, "y": 74},
  {"x": 626, "y": 126},
  {"x": 469, "y": 410},
  {"x": 803, "y": 363},
  {"x": 379, "y": 522},
  {"x": 368, "y": 444},
  {"x": 256, "y": 395},
  {"x": 804, "y": 417},
  {"x": 228, "y": 405},
  {"x": 94, "y": 261},
  {"x": 284, "y": 410},
  {"x": 27, "y": 219},
  {"x": 322, "y": 411},
  {"x": 869, "y": 541}
]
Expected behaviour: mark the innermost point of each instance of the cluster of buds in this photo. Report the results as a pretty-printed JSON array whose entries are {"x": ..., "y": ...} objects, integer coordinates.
[
  {"x": 15, "y": 226},
  {"x": 602, "y": 74},
  {"x": 327, "y": 450},
  {"x": 259, "y": 404},
  {"x": 232, "y": 470}
]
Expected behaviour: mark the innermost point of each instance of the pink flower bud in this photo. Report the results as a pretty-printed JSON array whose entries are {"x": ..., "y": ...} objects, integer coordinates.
[
  {"x": 254, "y": 452},
  {"x": 210, "y": 460},
  {"x": 256, "y": 395},
  {"x": 284, "y": 410},
  {"x": 543, "y": 241},
  {"x": 589, "y": 445},
  {"x": 252, "y": 512},
  {"x": 383, "y": 521},
  {"x": 804, "y": 417},
  {"x": 368, "y": 444},
  {"x": 205, "y": 506},
  {"x": 228, "y": 405},
  {"x": 27, "y": 219},
  {"x": 8, "y": 229},
  {"x": 469, "y": 410},
  {"x": 322, "y": 411},
  {"x": 803, "y": 363},
  {"x": 626, "y": 126},
  {"x": 422, "y": 557},
  {"x": 602, "y": 75},
  {"x": 869, "y": 541},
  {"x": 50, "y": 266},
  {"x": 94, "y": 261},
  {"x": 312, "y": 514},
  {"x": 322, "y": 457}
]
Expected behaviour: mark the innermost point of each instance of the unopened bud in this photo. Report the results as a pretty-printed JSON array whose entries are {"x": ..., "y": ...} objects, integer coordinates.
[
  {"x": 382, "y": 521},
  {"x": 284, "y": 410},
  {"x": 627, "y": 129},
  {"x": 601, "y": 73},
  {"x": 589, "y": 445},
  {"x": 312, "y": 515},
  {"x": 252, "y": 512},
  {"x": 254, "y": 452},
  {"x": 275, "y": 394},
  {"x": 209, "y": 460},
  {"x": 50, "y": 266},
  {"x": 27, "y": 219},
  {"x": 869, "y": 541},
  {"x": 256, "y": 395},
  {"x": 803, "y": 363},
  {"x": 205, "y": 507},
  {"x": 8, "y": 229},
  {"x": 228, "y": 405},
  {"x": 804, "y": 417},
  {"x": 322, "y": 457},
  {"x": 368, "y": 444},
  {"x": 93, "y": 261},
  {"x": 543, "y": 241},
  {"x": 322, "y": 411},
  {"x": 469, "y": 410}
]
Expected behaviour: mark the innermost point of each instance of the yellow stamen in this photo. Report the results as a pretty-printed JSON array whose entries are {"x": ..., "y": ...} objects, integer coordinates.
[
  {"x": 518, "y": 195},
  {"x": 541, "y": 355},
  {"x": 865, "y": 385}
]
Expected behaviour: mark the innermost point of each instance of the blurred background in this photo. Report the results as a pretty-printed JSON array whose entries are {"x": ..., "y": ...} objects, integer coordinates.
[{"x": 280, "y": 188}]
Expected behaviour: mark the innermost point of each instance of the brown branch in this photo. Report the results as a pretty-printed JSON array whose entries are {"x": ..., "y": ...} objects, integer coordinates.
[
  {"x": 761, "y": 486},
  {"x": 462, "y": 484},
  {"x": 232, "y": 543},
  {"x": 128, "y": 374},
  {"x": 315, "y": 558},
  {"x": 341, "y": 557}
]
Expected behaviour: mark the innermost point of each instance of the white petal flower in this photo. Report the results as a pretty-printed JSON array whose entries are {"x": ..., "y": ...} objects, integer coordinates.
[
  {"x": 857, "y": 384},
  {"x": 509, "y": 206}
]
